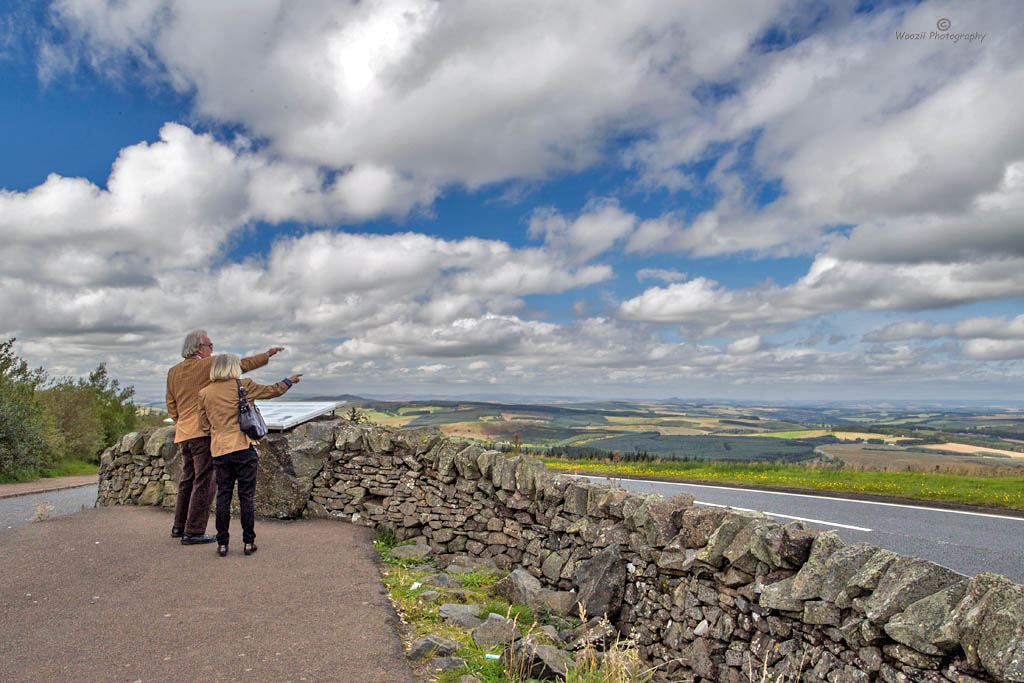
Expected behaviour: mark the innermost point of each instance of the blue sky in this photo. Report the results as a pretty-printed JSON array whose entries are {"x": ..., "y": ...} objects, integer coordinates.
[{"x": 770, "y": 201}]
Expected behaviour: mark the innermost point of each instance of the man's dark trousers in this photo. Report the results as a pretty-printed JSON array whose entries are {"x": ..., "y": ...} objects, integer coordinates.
[
  {"x": 195, "y": 488},
  {"x": 240, "y": 466}
]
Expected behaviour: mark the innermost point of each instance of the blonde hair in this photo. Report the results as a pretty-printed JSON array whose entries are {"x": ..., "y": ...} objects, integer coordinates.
[{"x": 226, "y": 366}]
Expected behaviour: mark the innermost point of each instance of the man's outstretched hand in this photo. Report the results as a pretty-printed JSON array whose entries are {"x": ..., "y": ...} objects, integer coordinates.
[{"x": 276, "y": 349}]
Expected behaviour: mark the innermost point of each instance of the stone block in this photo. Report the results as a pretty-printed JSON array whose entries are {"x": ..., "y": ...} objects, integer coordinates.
[
  {"x": 160, "y": 442},
  {"x": 781, "y": 596},
  {"x": 906, "y": 581},
  {"x": 720, "y": 539},
  {"x": 153, "y": 494},
  {"x": 811, "y": 577},
  {"x": 989, "y": 621},
  {"x": 927, "y": 625},
  {"x": 820, "y": 613},
  {"x": 600, "y": 582},
  {"x": 466, "y": 462}
]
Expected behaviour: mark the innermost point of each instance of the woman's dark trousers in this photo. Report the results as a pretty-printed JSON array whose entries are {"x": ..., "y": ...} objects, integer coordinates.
[{"x": 238, "y": 466}]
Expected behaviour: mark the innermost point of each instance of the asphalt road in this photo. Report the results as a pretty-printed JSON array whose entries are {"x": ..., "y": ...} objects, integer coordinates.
[
  {"x": 105, "y": 595},
  {"x": 20, "y": 510},
  {"x": 967, "y": 542}
]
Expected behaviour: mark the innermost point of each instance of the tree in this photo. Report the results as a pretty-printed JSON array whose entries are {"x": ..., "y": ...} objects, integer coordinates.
[
  {"x": 27, "y": 437},
  {"x": 117, "y": 411},
  {"x": 76, "y": 414},
  {"x": 89, "y": 414}
]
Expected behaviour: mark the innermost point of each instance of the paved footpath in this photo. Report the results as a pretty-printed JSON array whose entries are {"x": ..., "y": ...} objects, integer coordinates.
[
  {"x": 44, "y": 485},
  {"x": 103, "y": 595}
]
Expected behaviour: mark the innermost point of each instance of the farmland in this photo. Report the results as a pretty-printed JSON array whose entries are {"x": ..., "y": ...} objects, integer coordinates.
[
  {"x": 884, "y": 440},
  {"x": 971, "y": 457}
]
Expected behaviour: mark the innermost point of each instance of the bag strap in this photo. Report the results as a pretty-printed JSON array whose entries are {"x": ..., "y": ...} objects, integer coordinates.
[{"x": 243, "y": 396}]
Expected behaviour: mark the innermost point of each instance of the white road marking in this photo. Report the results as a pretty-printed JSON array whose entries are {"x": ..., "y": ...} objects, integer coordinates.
[
  {"x": 804, "y": 495},
  {"x": 779, "y": 514}
]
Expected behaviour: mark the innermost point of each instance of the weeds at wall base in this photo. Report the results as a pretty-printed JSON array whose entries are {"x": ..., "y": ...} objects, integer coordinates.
[{"x": 619, "y": 663}]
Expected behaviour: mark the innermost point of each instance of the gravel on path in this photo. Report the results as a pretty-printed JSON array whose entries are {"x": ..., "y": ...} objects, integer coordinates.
[{"x": 107, "y": 595}]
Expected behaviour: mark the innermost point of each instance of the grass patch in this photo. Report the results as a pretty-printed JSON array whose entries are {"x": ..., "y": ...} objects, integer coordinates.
[
  {"x": 478, "y": 578},
  {"x": 1003, "y": 492},
  {"x": 522, "y": 614},
  {"x": 385, "y": 542},
  {"x": 68, "y": 468}
]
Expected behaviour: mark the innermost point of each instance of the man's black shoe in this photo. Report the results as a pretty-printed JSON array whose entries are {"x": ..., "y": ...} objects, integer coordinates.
[
  {"x": 177, "y": 532},
  {"x": 196, "y": 539}
]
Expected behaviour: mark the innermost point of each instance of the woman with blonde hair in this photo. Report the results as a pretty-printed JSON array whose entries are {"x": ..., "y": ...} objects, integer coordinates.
[{"x": 233, "y": 451}]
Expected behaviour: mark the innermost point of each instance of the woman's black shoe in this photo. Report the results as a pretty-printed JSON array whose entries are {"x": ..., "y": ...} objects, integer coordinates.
[
  {"x": 249, "y": 548},
  {"x": 222, "y": 550}
]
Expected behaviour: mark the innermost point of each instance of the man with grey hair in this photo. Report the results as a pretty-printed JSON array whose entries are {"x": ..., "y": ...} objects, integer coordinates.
[{"x": 195, "y": 487}]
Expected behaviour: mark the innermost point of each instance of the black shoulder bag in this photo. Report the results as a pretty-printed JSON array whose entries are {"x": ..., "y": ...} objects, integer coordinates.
[{"x": 249, "y": 418}]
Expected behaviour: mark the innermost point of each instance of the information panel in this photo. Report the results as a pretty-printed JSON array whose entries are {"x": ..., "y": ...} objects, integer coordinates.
[{"x": 281, "y": 415}]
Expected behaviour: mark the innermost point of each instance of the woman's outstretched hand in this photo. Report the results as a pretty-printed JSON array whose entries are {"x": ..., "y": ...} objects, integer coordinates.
[{"x": 294, "y": 379}]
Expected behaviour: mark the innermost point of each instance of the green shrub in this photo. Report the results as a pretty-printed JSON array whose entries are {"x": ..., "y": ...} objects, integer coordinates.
[
  {"x": 27, "y": 436},
  {"x": 76, "y": 416},
  {"x": 44, "y": 421},
  {"x": 117, "y": 411},
  {"x": 89, "y": 415}
]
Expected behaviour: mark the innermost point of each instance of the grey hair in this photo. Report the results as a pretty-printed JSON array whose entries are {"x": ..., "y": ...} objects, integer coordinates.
[
  {"x": 225, "y": 366},
  {"x": 193, "y": 340}
]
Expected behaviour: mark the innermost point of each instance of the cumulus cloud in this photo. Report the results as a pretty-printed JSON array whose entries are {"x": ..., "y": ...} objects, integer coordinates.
[
  {"x": 167, "y": 205},
  {"x": 599, "y": 226},
  {"x": 745, "y": 345},
  {"x": 705, "y": 308},
  {"x": 127, "y": 269},
  {"x": 988, "y": 327},
  {"x": 929, "y": 150},
  {"x": 904, "y": 191},
  {"x": 918, "y": 329},
  {"x": 444, "y": 91},
  {"x": 993, "y": 349},
  {"x": 664, "y": 274},
  {"x": 987, "y": 338}
]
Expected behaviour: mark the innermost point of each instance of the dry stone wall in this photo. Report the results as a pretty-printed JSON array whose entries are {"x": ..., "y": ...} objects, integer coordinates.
[{"x": 709, "y": 594}]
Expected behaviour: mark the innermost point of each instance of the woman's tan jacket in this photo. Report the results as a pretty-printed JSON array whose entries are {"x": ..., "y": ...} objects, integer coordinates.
[{"x": 218, "y": 412}]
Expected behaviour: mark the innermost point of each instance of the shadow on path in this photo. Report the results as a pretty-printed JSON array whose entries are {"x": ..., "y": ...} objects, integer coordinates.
[{"x": 107, "y": 595}]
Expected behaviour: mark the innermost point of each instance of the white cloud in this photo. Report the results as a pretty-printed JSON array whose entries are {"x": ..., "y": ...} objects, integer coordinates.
[
  {"x": 987, "y": 338},
  {"x": 705, "y": 308},
  {"x": 923, "y": 161},
  {"x": 917, "y": 329},
  {"x": 599, "y": 226},
  {"x": 993, "y": 349},
  {"x": 745, "y": 345},
  {"x": 666, "y": 275},
  {"x": 373, "y": 109},
  {"x": 991, "y": 327},
  {"x": 469, "y": 92}
]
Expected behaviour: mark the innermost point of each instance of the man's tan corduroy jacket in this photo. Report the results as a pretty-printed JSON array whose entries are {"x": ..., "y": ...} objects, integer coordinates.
[
  {"x": 184, "y": 381},
  {"x": 218, "y": 412}
]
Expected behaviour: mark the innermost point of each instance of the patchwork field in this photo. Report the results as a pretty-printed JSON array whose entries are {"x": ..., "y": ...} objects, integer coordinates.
[
  {"x": 896, "y": 459},
  {"x": 986, "y": 442},
  {"x": 965, "y": 448}
]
